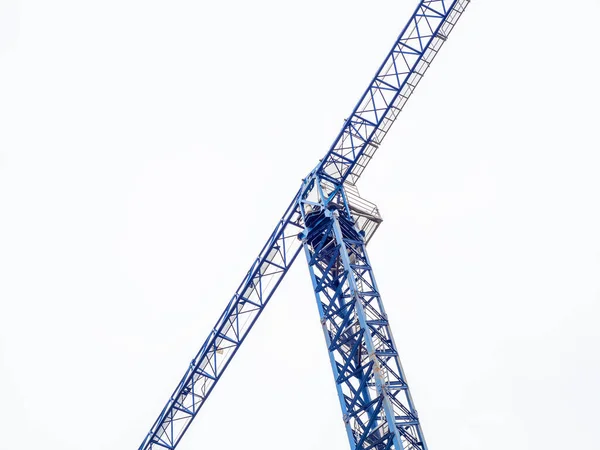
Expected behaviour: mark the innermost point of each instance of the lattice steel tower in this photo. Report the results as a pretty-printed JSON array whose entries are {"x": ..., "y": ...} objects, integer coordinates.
[{"x": 332, "y": 223}]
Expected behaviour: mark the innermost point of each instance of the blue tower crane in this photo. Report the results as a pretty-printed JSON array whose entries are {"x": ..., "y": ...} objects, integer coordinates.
[{"x": 333, "y": 224}]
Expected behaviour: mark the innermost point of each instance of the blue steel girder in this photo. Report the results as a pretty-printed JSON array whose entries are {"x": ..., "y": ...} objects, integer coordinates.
[
  {"x": 376, "y": 404},
  {"x": 391, "y": 87},
  {"x": 353, "y": 148},
  {"x": 229, "y": 332}
]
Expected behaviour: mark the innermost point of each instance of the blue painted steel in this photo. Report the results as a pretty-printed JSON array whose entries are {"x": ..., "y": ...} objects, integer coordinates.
[
  {"x": 353, "y": 148},
  {"x": 392, "y": 85},
  {"x": 376, "y": 404},
  {"x": 229, "y": 333}
]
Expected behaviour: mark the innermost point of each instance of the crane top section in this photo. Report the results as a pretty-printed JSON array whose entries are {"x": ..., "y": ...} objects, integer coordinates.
[
  {"x": 331, "y": 181},
  {"x": 392, "y": 85}
]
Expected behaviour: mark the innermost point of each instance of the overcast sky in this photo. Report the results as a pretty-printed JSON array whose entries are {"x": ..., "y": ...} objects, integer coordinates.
[{"x": 148, "y": 148}]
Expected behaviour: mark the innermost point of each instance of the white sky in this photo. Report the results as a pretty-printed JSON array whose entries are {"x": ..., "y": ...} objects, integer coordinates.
[{"x": 148, "y": 148}]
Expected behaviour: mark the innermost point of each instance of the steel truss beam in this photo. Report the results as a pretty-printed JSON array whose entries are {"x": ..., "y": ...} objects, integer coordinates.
[
  {"x": 355, "y": 145},
  {"x": 228, "y": 334},
  {"x": 391, "y": 87},
  {"x": 377, "y": 407}
]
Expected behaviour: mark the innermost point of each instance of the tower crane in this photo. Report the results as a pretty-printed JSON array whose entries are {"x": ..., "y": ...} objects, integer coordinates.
[{"x": 329, "y": 220}]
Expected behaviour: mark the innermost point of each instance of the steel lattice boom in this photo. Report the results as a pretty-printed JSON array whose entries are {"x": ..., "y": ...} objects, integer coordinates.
[
  {"x": 334, "y": 225},
  {"x": 392, "y": 85}
]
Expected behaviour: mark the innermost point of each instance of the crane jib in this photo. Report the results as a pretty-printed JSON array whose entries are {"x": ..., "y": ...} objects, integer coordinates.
[
  {"x": 390, "y": 88},
  {"x": 351, "y": 151}
]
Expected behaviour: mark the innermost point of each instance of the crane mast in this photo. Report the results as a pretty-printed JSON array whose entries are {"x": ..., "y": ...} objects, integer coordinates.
[{"x": 328, "y": 219}]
